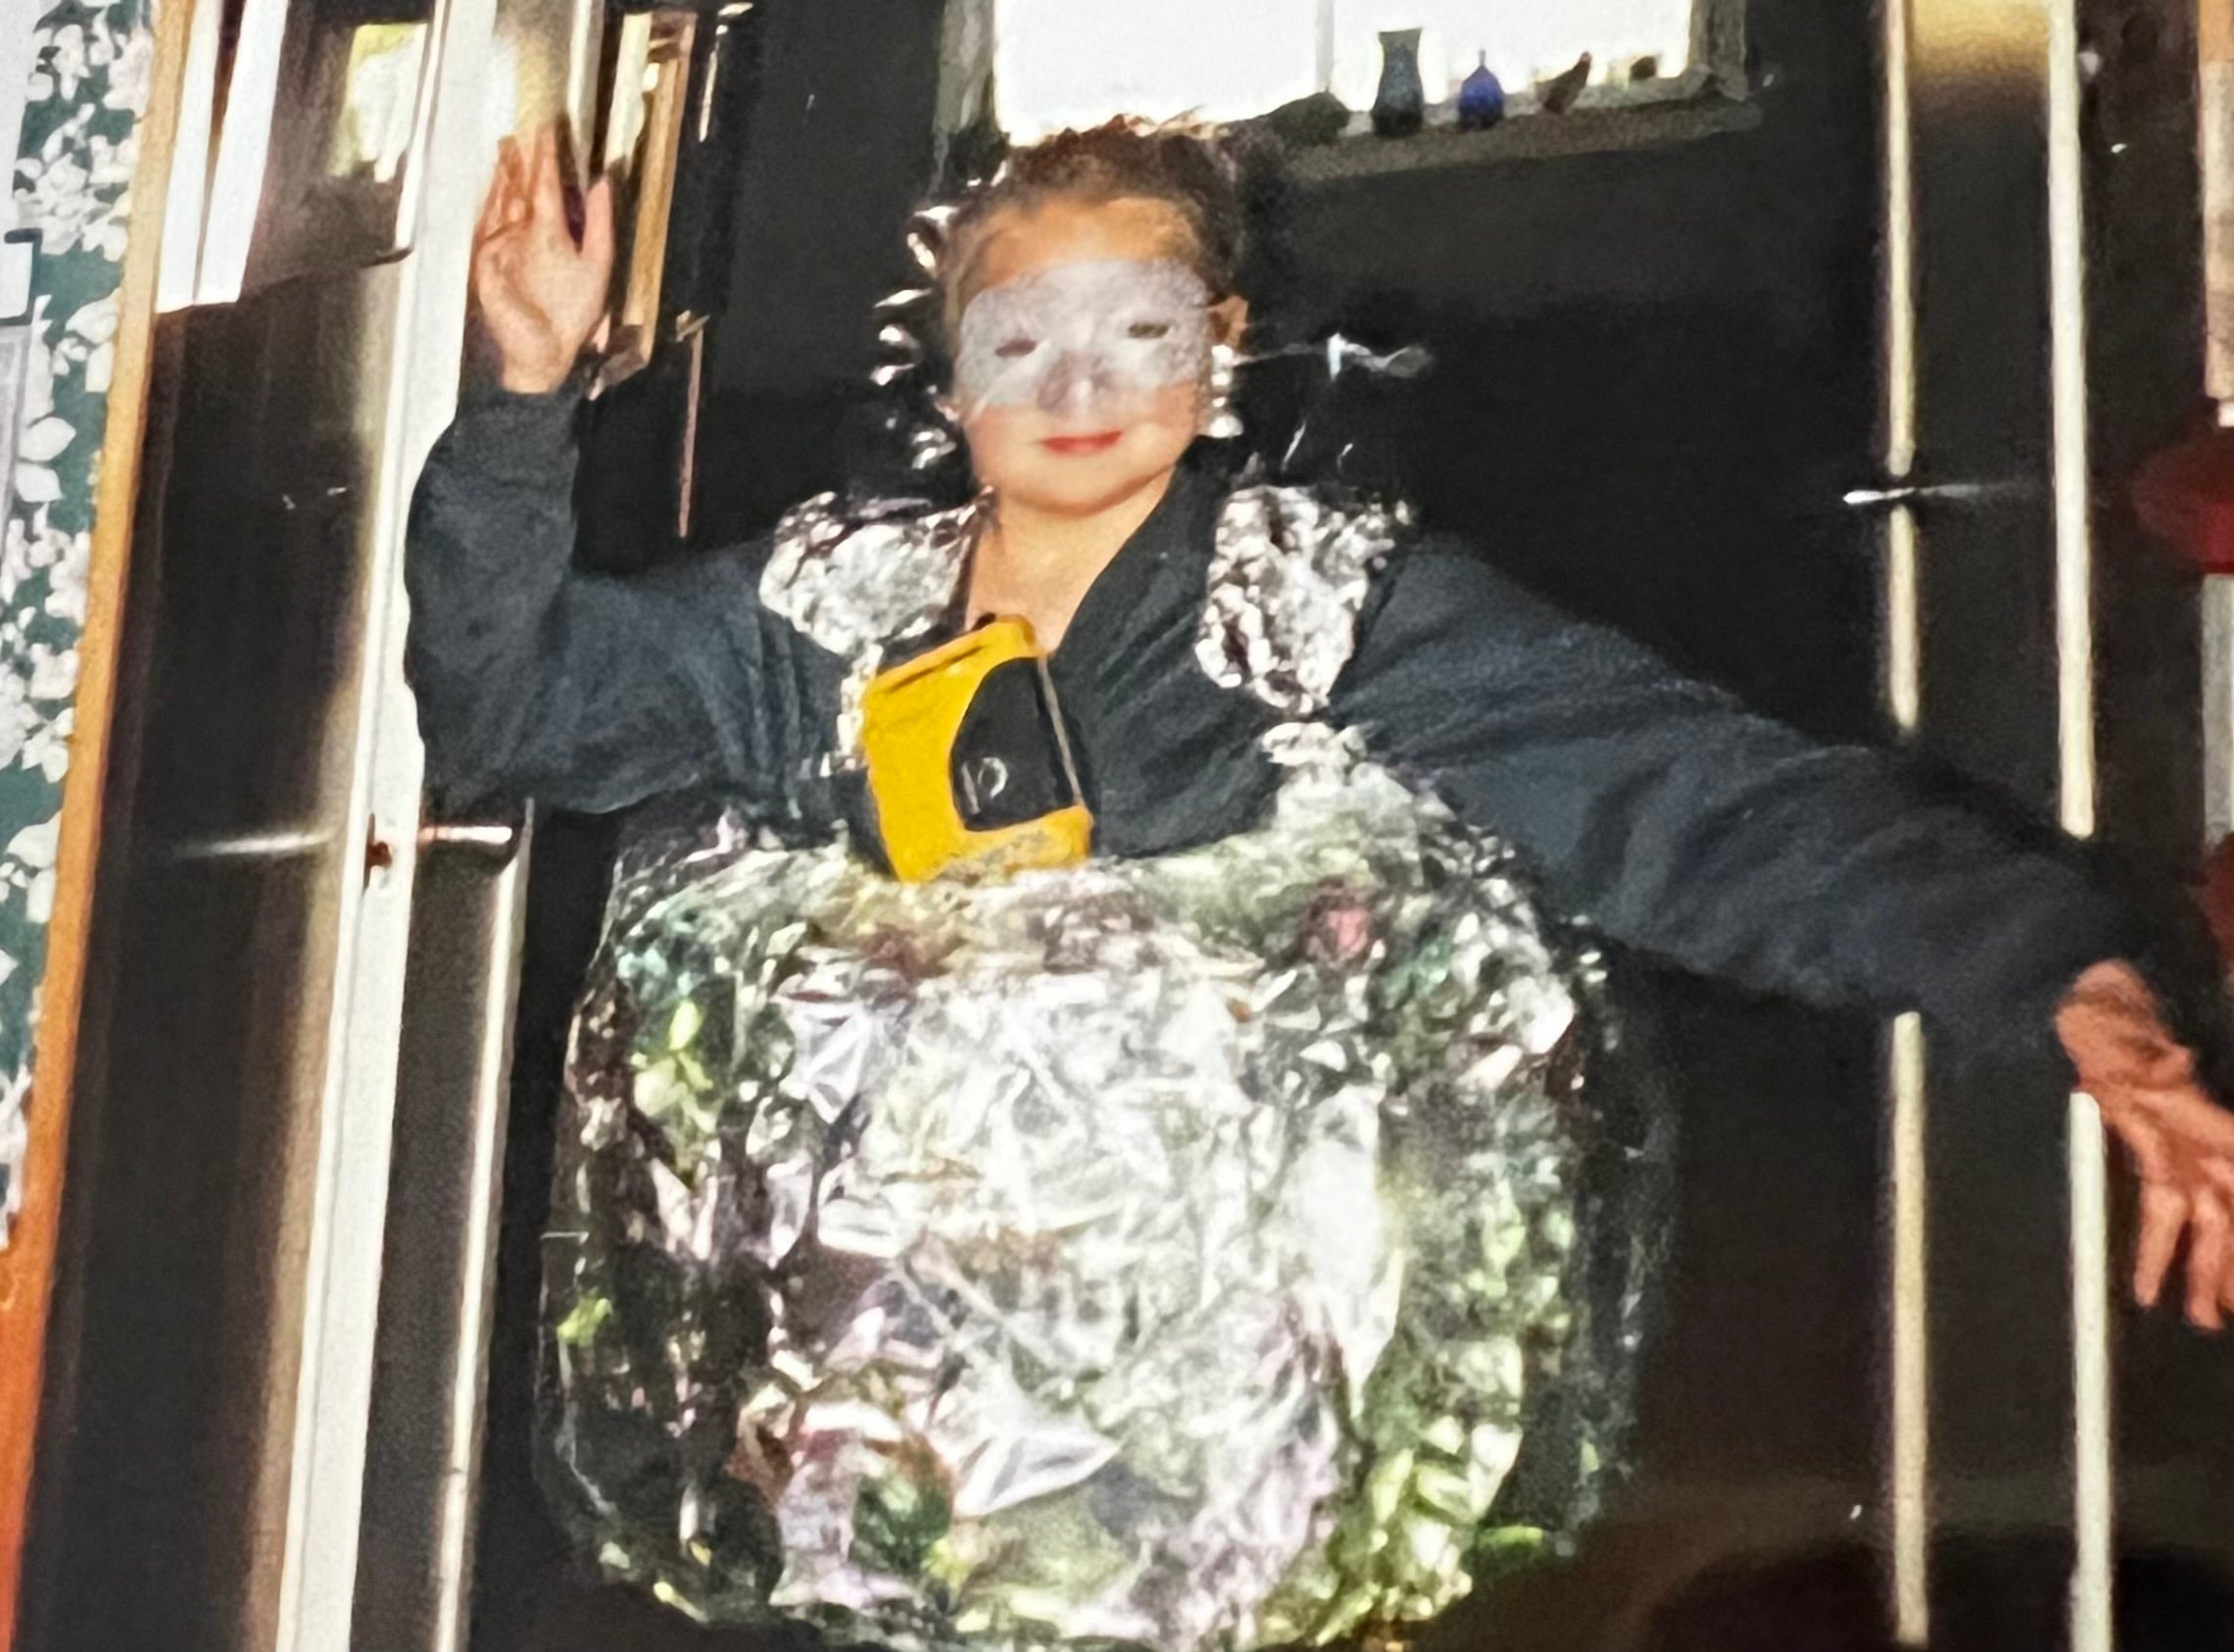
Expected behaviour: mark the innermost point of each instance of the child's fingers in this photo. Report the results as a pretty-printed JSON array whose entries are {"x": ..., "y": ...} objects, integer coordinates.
[
  {"x": 597, "y": 224},
  {"x": 547, "y": 194}
]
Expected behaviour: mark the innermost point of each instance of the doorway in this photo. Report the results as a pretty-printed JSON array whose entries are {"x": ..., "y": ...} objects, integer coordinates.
[
  {"x": 1657, "y": 322},
  {"x": 1657, "y": 374}
]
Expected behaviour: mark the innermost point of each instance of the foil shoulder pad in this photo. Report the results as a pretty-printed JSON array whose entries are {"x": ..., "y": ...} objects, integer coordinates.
[
  {"x": 851, "y": 578},
  {"x": 1290, "y": 574}
]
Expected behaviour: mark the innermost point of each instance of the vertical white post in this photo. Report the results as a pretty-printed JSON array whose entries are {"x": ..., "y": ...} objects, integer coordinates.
[
  {"x": 1324, "y": 44},
  {"x": 2214, "y": 122},
  {"x": 2067, "y": 354},
  {"x": 477, "y": 1288},
  {"x": 355, "y": 1126},
  {"x": 2091, "y": 1410},
  {"x": 2093, "y": 1493},
  {"x": 1908, "y": 1319},
  {"x": 1911, "y": 1343},
  {"x": 2217, "y": 709}
]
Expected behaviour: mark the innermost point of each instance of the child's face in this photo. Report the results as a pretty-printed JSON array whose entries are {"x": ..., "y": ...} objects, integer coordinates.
[{"x": 1083, "y": 359}]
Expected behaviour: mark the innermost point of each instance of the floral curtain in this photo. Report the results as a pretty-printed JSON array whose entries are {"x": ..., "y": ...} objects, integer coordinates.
[{"x": 87, "y": 64}]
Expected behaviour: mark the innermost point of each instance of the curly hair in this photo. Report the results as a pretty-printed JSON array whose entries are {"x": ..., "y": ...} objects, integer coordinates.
[{"x": 1182, "y": 166}]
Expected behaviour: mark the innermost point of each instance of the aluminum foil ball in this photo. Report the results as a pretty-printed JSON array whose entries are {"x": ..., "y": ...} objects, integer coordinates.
[{"x": 1167, "y": 1253}]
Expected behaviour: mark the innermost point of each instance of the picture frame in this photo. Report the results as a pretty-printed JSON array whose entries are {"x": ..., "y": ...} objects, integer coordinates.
[{"x": 649, "y": 57}]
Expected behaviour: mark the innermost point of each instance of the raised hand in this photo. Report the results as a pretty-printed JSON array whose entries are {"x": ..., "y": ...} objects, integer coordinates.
[
  {"x": 2180, "y": 1140},
  {"x": 542, "y": 294}
]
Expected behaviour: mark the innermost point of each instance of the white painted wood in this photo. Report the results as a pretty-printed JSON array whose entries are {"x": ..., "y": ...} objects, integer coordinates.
[
  {"x": 1907, "y": 1305},
  {"x": 2093, "y": 1466},
  {"x": 477, "y": 1290},
  {"x": 349, "y": 1217}
]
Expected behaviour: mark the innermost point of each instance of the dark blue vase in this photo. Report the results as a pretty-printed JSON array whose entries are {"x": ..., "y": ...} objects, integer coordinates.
[
  {"x": 1480, "y": 99},
  {"x": 1401, "y": 103}
]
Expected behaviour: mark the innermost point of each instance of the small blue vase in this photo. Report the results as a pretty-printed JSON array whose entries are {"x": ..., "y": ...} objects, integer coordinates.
[
  {"x": 1401, "y": 104},
  {"x": 1480, "y": 99}
]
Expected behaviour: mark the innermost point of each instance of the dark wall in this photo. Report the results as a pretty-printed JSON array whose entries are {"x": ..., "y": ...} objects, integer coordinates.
[
  {"x": 1655, "y": 379},
  {"x": 840, "y": 152},
  {"x": 1654, "y": 367}
]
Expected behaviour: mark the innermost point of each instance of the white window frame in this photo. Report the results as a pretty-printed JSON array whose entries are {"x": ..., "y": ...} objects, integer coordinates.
[{"x": 1716, "y": 67}]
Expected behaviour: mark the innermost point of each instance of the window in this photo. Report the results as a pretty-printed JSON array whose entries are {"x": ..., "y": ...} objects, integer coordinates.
[{"x": 1059, "y": 63}]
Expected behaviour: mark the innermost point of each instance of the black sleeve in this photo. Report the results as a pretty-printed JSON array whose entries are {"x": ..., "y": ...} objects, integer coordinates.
[
  {"x": 534, "y": 679},
  {"x": 1686, "y": 826}
]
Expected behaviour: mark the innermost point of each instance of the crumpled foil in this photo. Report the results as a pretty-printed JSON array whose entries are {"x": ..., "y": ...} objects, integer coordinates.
[
  {"x": 854, "y": 580},
  {"x": 849, "y": 581},
  {"x": 1290, "y": 573},
  {"x": 1170, "y": 1252}
]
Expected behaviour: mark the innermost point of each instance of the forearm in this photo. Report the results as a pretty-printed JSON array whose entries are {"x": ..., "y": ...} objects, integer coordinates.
[
  {"x": 1686, "y": 825},
  {"x": 490, "y": 549}
]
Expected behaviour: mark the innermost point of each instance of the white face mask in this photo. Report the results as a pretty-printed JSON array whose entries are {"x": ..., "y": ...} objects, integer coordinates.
[{"x": 1085, "y": 340}]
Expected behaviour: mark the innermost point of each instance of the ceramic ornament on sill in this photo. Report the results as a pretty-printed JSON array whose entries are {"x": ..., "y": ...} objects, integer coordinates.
[
  {"x": 1557, "y": 95},
  {"x": 1480, "y": 99},
  {"x": 1400, "y": 106}
]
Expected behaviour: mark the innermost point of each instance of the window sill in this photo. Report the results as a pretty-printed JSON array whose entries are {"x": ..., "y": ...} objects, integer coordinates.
[{"x": 1531, "y": 137}]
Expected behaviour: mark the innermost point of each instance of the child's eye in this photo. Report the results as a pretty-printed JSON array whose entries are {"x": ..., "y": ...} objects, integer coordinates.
[
  {"x": 1148, "y": 329},
  {"x": 1016, "y": 349}
]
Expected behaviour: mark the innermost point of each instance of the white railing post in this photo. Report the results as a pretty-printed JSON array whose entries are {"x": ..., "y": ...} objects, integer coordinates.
[{"x": 2092, "y": 1444}]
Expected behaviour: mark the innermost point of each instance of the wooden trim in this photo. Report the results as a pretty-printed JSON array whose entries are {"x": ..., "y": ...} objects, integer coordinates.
[
  {"x": 2215, "y": 31},
  {"x": 670, "y": 35},
  {"x": 27, "y": 1266}
]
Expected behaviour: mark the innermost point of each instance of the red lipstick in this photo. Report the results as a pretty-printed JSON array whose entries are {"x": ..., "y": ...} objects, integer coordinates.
[{"x": 1082, "y": 446}]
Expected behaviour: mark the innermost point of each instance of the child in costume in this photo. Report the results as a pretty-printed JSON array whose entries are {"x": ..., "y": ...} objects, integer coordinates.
[{"x": 1193, "y": 1245}]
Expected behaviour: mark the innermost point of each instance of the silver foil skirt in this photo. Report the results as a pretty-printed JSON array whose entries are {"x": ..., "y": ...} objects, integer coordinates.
[{"x": 1168, "y": 1253}]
